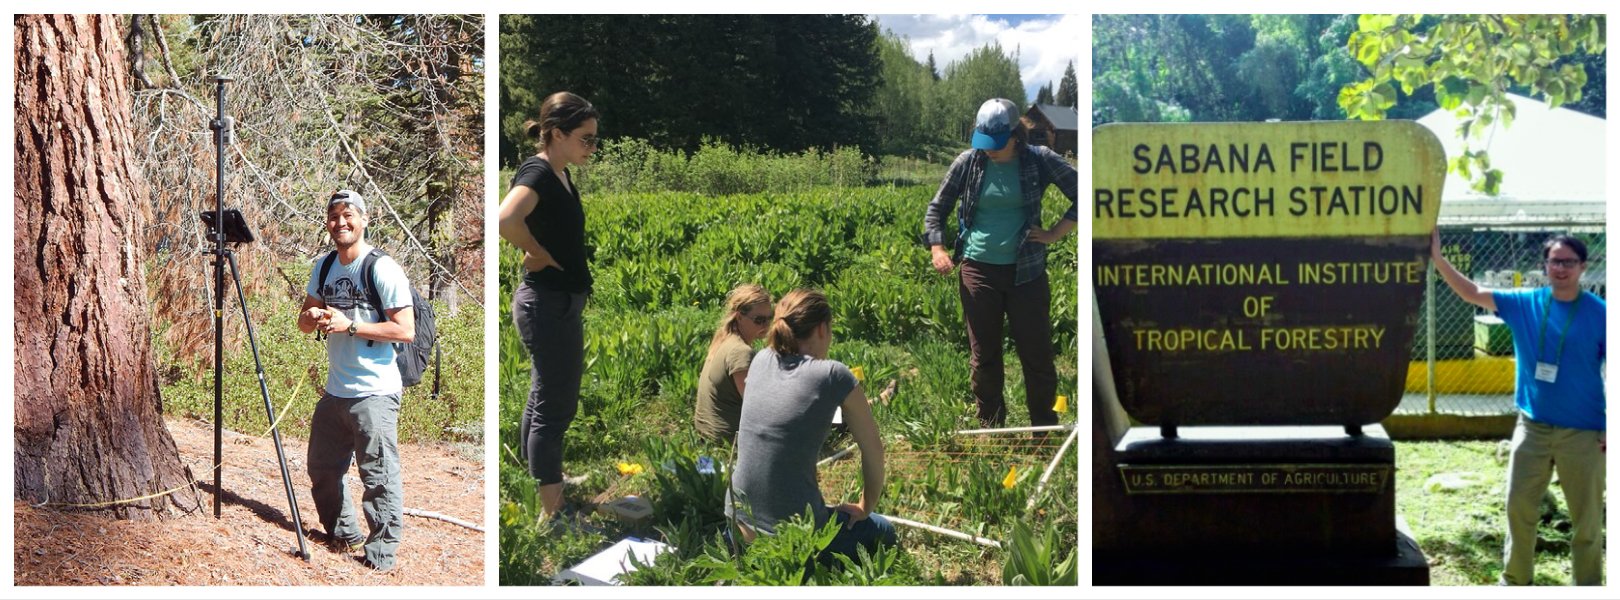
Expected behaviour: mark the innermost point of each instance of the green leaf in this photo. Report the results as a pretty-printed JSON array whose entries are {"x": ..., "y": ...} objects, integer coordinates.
[
  {"x": 1555, "y": 92},
  {"x": 1383, "y": 96},
  {"x": 1375, "y": 22},
  {"x": 1368, "y": 49},
  {"x": 1492, "y": 182},
  {"x": 1447, "y": 101},
  {"x": 1460, "y": 164},
  {"x": 1408, "y": 61}
]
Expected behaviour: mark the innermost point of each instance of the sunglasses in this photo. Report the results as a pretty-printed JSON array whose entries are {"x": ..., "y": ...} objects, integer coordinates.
[
  {"x": 590, "y": 140},
  {"x": 1564, "y": 263},
  {"x": 761, "y": 320}
]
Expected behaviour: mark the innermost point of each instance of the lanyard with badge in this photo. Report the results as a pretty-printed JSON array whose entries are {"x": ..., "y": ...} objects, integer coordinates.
[{"x": 1548, "y": 372}]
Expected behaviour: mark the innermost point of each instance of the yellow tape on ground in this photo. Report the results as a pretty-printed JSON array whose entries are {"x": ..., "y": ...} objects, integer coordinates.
[{"x": 115, "y": 502}]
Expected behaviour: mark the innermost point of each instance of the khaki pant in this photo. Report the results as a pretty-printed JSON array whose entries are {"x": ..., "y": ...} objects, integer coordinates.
[{"x": 1538, "y": 448}]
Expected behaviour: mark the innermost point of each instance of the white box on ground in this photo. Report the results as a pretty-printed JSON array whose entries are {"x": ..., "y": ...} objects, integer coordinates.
[{"x": 605, "y": 567}]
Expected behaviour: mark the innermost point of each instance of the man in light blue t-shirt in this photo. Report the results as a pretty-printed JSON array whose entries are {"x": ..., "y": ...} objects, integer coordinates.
[
  {"x": 358, "y": 416},
  {"x": 1559, "y": 345}
]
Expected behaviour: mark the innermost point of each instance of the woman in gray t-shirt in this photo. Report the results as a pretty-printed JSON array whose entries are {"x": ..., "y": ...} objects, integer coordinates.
[
  {"x": 788, "y": 404},
  {"x": 725, "y": 369}
]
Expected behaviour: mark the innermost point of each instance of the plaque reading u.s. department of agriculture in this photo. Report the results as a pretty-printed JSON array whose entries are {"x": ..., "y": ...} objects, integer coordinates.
[
  {"x": 1256, "y": 479},
  {"x": 1262, "y": 273}
]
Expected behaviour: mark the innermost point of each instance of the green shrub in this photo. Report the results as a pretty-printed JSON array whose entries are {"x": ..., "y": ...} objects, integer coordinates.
[
  {"x": 295, "y": 374},
  {"x": 1034, "y": 560},
  {"x": 716, "y": 168}
]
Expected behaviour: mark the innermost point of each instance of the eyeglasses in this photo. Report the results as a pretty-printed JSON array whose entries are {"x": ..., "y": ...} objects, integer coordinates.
[
  {"x": 1564, "y": 263},
  {"x": 589, "y": 140}
]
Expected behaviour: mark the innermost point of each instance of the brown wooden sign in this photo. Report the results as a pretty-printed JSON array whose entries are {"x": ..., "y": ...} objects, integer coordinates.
[{"x": 1262, "y": 274}]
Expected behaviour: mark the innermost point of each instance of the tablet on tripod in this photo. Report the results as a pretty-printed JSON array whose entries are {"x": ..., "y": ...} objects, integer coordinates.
[{"x": 236, "y": 228}]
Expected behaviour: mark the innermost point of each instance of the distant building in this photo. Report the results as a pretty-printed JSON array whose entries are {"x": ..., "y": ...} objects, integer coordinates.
[{"x": 1053, "y": 126}]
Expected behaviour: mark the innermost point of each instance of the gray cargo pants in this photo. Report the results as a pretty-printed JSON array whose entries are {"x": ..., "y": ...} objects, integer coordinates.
[{"x": 365, "y": 430}]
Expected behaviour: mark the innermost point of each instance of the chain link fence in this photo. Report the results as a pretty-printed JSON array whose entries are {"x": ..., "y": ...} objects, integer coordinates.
[{"x": 1462, "y": 355}]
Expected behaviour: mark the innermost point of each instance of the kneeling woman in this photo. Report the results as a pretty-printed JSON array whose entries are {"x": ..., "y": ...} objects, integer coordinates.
[
  {"x": 725, "y": 370},
  {"x": 792, "y": 392}
]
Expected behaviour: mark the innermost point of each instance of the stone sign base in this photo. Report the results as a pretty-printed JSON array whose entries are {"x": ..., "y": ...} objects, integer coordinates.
[
  {"x": 1407, "y": 566},
  {"x": 1309, "y": 505}
]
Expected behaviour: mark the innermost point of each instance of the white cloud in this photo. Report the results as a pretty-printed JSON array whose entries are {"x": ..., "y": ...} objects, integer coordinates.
[{"x": 1045, "y": 44}]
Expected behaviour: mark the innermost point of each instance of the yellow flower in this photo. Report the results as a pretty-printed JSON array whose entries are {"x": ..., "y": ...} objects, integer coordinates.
[
  {"x": 629, "y": 468},
  {"x": 1062, "y": 404},
  {"x": 860, "y": 374},
  {"x": 1012, "y": 478}
]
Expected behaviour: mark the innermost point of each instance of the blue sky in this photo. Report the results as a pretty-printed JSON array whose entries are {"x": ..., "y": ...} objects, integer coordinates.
[
  {"x": 1015, "y": 20},
  {"x": 1046, "y": 43}
]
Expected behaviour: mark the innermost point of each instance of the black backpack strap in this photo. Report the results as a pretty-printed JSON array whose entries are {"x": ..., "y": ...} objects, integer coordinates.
[
  {"x": 369, "y": 271},
  {"x": 326, "y": 269},
  {"x": 320, "y": 282}
]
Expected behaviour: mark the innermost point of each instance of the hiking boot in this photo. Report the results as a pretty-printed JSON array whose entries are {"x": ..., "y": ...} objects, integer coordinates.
[
  {"x": 345, "y": 546},
  {"x": 369, "y": 565}
]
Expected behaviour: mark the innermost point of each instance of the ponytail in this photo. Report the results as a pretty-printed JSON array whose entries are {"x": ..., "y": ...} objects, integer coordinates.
[
  {"x": 797, "y": 316},
  {"x": 562, "y": 111}
]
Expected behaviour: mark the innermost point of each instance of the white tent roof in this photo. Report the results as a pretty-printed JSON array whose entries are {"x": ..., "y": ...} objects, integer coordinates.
[{"x": 1552, "y": 160}]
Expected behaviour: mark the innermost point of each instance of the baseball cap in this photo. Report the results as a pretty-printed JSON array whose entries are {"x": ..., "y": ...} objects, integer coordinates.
[
  {"x": 995, "y": 124},
  {"x": 350, "y": 196}
]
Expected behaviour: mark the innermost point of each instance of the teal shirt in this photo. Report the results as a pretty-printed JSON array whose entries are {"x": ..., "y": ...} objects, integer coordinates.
[{"x": 998, "y": 225}]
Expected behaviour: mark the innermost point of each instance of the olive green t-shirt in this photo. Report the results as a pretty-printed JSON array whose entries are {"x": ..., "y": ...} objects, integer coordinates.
[{"x": 719, "y": 404}]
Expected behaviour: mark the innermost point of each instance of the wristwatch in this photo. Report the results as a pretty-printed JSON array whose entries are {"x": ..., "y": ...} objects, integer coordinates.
[{"x": 351, "y": 328}]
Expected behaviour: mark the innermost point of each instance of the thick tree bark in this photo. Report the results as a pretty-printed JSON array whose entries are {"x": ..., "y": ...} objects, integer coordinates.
[{"x": 89, "y": 424}]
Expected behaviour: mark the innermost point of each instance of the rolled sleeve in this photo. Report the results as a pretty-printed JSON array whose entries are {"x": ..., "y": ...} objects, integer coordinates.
[{"x": 944, "y": 200}]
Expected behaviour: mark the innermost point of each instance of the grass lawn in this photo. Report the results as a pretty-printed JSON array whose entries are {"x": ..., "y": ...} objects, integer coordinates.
[{"x": 1461, "y": 529}]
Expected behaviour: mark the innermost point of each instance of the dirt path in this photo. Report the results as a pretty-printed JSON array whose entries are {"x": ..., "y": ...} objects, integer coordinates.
[{"x": 251, "y": 543}]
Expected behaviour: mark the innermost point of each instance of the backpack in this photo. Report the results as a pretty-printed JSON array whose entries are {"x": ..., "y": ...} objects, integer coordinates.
[{"x": 412, "y": 359}]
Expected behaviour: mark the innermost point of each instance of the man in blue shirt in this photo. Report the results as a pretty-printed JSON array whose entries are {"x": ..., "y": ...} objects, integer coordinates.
[
  {"x": 1558, "y": 345},
  {"x": 357, "y": 419}
]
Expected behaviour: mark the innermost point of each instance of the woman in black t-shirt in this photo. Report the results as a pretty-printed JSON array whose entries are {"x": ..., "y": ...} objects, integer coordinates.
[{"x": 542, "y": 216}]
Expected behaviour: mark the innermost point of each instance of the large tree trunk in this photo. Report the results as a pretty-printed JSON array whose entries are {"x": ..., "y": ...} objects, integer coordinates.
[{"x": 88, "y": 414}]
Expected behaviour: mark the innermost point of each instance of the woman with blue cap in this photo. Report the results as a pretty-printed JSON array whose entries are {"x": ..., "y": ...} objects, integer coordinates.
[{"x": 1001, "y": 255}]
